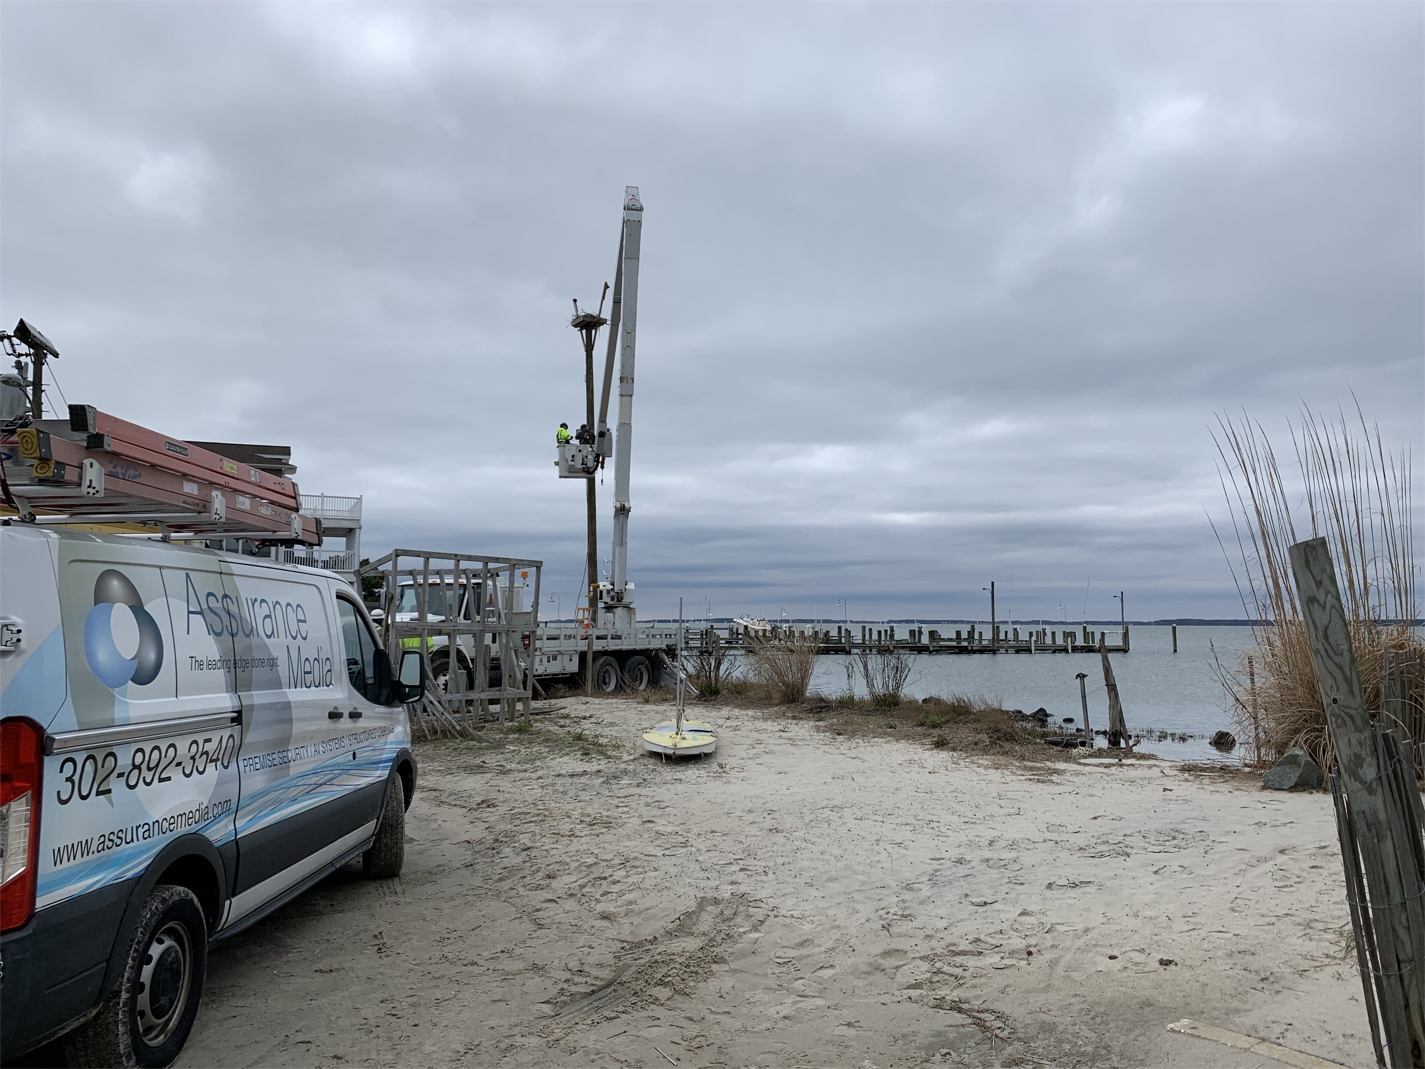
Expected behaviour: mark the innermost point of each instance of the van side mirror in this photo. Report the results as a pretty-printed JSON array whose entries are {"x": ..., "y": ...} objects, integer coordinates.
[{"x": 411, "y": 680}]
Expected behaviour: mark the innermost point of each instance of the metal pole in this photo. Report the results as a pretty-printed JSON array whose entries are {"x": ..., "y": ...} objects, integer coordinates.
[
  {"x": 679, "y": 729},
  {"x": 37, "y": 382}
]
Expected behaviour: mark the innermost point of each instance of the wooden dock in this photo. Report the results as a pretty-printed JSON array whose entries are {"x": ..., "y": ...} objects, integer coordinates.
[{"x": 967, "y": 639}]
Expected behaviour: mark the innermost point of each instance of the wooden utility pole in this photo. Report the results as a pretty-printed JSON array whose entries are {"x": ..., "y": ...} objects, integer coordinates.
[
  {"x": 1390, "y": 876},
  {"x": 588, "y": 327}
]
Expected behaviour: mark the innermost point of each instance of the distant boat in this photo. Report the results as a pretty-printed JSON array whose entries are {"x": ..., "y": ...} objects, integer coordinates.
[{"x": 754, "y": 625}]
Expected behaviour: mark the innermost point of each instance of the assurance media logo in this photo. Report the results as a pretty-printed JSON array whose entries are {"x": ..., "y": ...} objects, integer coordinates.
[{"x": 122, "y": 642}]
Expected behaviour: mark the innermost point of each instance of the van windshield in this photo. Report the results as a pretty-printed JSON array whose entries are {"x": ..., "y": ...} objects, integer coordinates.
[{"x": 439, "y": 601}]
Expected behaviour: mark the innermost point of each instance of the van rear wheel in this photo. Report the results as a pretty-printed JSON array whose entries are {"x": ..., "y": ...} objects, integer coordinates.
[{"x": 146, "y": 1019}]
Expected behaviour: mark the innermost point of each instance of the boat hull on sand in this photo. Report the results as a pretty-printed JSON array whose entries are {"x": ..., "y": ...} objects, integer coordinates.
[{"x": 695, "y": 738}]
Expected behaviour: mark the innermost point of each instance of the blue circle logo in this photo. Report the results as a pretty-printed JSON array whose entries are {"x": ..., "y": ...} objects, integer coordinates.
[{"x": 121, "y": 639}]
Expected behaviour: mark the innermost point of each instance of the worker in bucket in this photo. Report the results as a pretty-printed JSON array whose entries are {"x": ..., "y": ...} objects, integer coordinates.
[{"x": 562, "y": 435}]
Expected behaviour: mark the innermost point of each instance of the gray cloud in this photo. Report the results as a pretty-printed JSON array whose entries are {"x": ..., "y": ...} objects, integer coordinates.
[{"x": 931, "y": 294}]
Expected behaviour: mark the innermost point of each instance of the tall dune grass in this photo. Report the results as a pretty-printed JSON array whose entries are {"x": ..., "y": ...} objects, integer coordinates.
[
  {"x": 784, "y": 665},
  {"x": 1347, "y": 488}
]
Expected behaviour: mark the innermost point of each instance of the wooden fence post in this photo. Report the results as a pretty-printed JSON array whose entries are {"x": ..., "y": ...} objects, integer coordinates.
[
  {"x": 1084, "y": 701},
  {"x": 1117, "y": 728},
  {"x": 1359, "y": 764}
]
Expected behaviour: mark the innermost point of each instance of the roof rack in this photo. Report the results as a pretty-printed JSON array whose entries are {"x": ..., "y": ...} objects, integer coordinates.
[{"x": 99, "y": 469}]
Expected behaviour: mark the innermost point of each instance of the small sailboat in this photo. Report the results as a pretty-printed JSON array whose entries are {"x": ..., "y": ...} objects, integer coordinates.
[{"x": 680, "y": 737}]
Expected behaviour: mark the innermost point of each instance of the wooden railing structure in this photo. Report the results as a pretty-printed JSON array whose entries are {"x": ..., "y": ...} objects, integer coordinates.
[
  {"x": 969, "y": 638},
  {"x": 485, "y": 640}
]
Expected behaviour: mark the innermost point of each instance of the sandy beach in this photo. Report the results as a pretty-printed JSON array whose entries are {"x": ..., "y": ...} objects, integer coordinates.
[{"x": 803, "y": 899}]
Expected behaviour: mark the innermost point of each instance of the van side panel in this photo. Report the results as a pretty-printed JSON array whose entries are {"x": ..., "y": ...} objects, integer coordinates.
[
  {"x": 124, "y": 779},
  {"x": 301, "y": 781},
  {"x": 32, "y": 676}
]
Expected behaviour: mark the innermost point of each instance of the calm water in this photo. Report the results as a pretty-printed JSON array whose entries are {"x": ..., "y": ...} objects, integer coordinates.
[{"x": 1160, "y": 691}]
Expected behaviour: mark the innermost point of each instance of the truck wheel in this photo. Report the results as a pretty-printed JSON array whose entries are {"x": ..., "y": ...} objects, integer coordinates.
[
  {"x": 638, "y": 673},
  {"x": 606, "y": 675},
  {"x": 440, "y": 674},
  {"x": 387, "y": 853},
  {"x": 146, "y": 1019},
  {"x": 440, "y": 671}
]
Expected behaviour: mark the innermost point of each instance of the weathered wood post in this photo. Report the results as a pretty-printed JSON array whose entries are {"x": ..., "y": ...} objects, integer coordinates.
[
  {"x": 1175, "y": 638},
  {"x": 1117, "y": 729},
  {"x": 1395, "y": 696},
  {"x": 1359, "y": 768},
  {"x": 1084, "y": 701}
]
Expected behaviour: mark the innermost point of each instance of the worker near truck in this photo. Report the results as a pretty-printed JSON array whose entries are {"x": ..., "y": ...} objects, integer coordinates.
[{"x": 562, "y": 435}]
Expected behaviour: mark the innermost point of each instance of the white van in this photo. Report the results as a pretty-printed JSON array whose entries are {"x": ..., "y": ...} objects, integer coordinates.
[{"x": 188, "y": 739}]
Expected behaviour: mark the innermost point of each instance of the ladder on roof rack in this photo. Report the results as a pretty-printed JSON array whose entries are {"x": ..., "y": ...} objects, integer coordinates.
[{"x": 97, "y": 468}]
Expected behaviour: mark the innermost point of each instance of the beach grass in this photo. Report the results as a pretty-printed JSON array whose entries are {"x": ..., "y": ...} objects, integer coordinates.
[{"x": 1346, "y": 488}]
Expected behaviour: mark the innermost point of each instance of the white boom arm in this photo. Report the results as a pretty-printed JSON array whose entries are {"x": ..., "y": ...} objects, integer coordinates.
[{"x": 618, "y": 597}]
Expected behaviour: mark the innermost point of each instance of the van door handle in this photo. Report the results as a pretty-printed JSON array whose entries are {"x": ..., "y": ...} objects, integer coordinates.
[
  {"x": 355, "y": 714},
  {"x": 334, "y": 714}
]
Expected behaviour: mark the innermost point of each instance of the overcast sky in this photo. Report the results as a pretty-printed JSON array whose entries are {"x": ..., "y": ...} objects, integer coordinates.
[{"x": 931, "y": 294}]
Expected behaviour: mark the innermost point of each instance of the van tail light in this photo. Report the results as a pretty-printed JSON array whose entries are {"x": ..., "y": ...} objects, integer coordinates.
[
  {"x": 21, "y": 762},
  {"x": 525, "y": 639}
]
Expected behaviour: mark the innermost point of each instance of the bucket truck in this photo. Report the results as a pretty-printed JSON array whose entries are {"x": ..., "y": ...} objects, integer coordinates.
[{"x": 621, "y": 651}]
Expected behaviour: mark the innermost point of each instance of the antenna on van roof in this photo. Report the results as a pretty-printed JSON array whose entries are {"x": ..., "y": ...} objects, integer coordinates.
[{"x": 37, "y": 348}]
